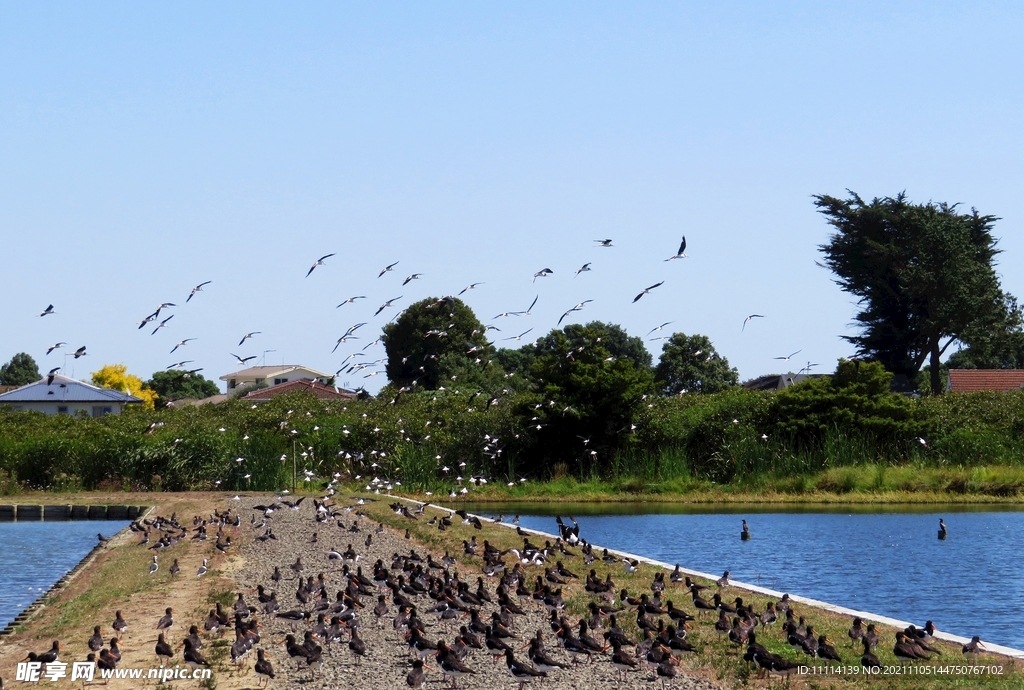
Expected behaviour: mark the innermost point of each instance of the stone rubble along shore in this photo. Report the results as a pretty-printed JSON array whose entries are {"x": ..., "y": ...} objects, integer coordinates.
[{"x": 388, "y": 658}]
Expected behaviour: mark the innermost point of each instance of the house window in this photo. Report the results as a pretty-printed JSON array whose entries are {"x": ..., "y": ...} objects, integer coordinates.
[
  {"x": 280, "y": 381},
  {"x": 231, "y": 383},
  {"x": 100, "y": 410},
  {"x": 63, "y": 409}
]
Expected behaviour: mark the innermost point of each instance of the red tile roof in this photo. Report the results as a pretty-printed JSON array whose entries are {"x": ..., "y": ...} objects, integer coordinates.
[
  {"x": 308, "y": 385},
  {"x": 970, "y": 380}
]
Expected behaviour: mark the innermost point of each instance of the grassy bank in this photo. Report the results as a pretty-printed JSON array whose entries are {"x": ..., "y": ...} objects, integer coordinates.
[{"x": 869, "y": 483}]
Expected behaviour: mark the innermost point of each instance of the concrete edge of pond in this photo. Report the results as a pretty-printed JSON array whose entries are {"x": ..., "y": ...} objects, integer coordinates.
[
  {"x": 30, "y": 611},
  {"x": 757, "y": 589}
]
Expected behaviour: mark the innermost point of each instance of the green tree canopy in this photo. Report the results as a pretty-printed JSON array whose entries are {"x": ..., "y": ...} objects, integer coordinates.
[
  {"x": 924, "y": 275},
  {"x": 20, "y": 370},
  {"x": 690, "y": 364},
  {"x": 588, "y": 382},
  {"x": 176, "y": 385},
  {"x": 418, "y": 342}
]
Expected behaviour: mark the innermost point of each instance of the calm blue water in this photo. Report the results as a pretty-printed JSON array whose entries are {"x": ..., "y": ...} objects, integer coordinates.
[
  {"x": 887, "y": 563},
  {"x": 34, "y": 555}
]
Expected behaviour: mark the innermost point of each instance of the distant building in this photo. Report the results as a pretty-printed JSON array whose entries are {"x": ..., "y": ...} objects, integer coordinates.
[
  {"x": 271, "y": 376},
  {"x": 63, "y": 395},
  {"x": 318, "y": 389},
  {"x": 778, "y": 382},
  {"x": 973, "y": 380}
]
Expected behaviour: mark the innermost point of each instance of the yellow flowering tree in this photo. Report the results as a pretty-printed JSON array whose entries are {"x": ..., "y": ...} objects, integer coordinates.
[{"x": 116, "y": 377}]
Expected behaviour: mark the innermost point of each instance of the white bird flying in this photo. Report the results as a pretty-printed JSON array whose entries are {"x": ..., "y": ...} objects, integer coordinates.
[
  {"x": 681, "y": 254},
  {"x": 47, "y": 311},
  {"x": 54, "y": 347},
  {"x": 350, "y": 300},
  {"x": 752, "y": 316},
  {"x": 197, "y": 288},
  {"x": 247, "y": 336},
  {"x": 585, "y": 267},
  {"x": 788, "y": 357},
  {"x": 648, "y": 289},
  {"x": 472, "y": 286},
  {"x": 389, "y": 267},
  {"x": 318, "y": 262},
  {"x": 543, "y": 273},
  {"x": 183, "y": 343}
]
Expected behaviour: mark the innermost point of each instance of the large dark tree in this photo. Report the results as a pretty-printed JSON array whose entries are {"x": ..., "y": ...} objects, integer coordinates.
[
  {"x": 20, "y": 370},
  {"x": 418, "y": 342},
  {"x": 924, "y": 275},
  {"x": 690, "y": 364},
  {"x": 589, "y": 381},
  {"x": 175, "y": 385}
]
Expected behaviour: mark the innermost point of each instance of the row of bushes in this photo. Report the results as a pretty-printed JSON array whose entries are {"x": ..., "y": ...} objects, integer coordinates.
[{"x": 848, "y": 421}]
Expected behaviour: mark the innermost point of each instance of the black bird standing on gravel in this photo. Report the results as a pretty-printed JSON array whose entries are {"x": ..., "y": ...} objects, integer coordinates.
[{"x": 264, "y": 667}]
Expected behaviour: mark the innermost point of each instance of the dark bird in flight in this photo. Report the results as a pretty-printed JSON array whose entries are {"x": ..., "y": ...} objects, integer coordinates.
[
  {"x": 543, "y": 273},
  {"x": 50, "y": 375},
  {"x": 414, "y": 276},
  {"x": 48, "y": 310},
  {"x": 585, "y": 267},
  {"x": 242, "y": 360},
  {"x": 604, "y": 243},
  {"x": 469, "y": 287},
  {"x": 578, "y": 307},
  {"x": 183, "y": 343},
  {"x": 646, "y": 290},
  {"x": 387, "y": 304},
  {"x": 162, "y": 324},
  {"x": 752, "y": 316},
  {"x": 247, "y": 336},
  {"x": 681, "y": 254},
  {"x": 80, "y": 352},
  {"x": 318, "y": 262},
  {"x": 350, "y": 300},
  {"x": 389, "y": 267},
  {"x": 787, "y": 358},
  {"x": 54, "y": 347},
  {"x": 197, "y": 288}
]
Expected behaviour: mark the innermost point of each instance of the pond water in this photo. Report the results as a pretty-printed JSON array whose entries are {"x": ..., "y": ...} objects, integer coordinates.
[
  {"x": 886, "y": 560},
  {"x": 34, "y": 555}
]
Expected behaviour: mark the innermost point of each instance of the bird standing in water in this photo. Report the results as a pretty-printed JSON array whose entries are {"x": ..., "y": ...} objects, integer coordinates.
[
  {"x": 745, "y": 534},
  {"x": 942, "y": 530}
]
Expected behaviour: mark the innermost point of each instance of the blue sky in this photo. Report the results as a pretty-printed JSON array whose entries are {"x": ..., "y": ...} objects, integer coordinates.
[{"x": 145, "y": 148}]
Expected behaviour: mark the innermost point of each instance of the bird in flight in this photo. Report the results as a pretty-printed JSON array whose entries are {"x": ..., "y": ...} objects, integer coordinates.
[
  {"x": 80, "y": 352},
  {"x": 787, "y": 358},
  {"x": 350, "y": 300},
  {"x": 543, "y": 273},
  {"x": 47, "y": 311},
  {"x": 518, "y": 337},
  {"x": 180, "y": 364},
  {"x": 162, "y": 324},
  {"x": 603, "y": 243},
  {"x": 247, "y": 336},
  {"x": 197, "y": 288},
  {"x": 658, "y": 328},
  {"x": 681, "y": 254},
  {"x": 387, "y": 304},
  {"x": 242, "y": 360},
  {"x": 585, "y": 267},
  {"x": 578, "y": 307},
  {"x": 183, "y": 343},
  {"x": 54, "y": 347},
  {"x": 752, "y": 316},
  {"x": 646, "y": 290},
  {"x": 807, "y": 368},
  {"x": 318, "y": 262},
  {"x": 347, "y": 336},
  {"x": 50, "y": 375},
  {"x": 469, "y": 287},
  {"x": 389, "y": 267},
  {"x": 414, "y": 276}
]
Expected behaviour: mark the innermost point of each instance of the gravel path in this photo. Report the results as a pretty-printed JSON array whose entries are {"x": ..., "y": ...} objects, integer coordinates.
[{"x": 388, "y": 658}]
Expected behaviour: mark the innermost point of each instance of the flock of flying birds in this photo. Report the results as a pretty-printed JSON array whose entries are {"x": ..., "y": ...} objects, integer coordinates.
[{"x": 352, "y": 364}]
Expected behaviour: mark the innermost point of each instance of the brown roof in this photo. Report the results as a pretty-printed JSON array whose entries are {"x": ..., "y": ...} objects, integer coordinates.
[
  {"x": 970, "y": 380},
  {"x": 268, "y": 371},
  {"x": 308, "y": 385}
]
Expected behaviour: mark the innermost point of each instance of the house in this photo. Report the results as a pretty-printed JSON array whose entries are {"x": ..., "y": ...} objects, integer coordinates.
[
  {"x": 271, "y": 376},
  {"x": 318, "y": 389},
  {"x": 973, "y": 380},
  {"x": 778, "y": 382},
  {"x": 63, "y": 395}
]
